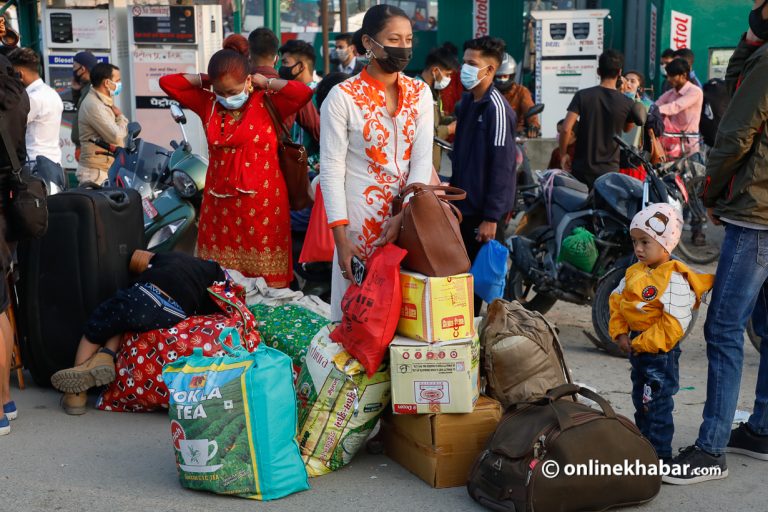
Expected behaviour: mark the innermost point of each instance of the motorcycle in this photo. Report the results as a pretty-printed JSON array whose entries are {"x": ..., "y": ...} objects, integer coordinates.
[
  {"x": 171, "y": 185},
  {"x": 538, "y": 280}
]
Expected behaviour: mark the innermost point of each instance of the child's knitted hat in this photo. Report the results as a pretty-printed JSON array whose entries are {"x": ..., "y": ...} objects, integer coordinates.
[{"x": 661, "y": 222}]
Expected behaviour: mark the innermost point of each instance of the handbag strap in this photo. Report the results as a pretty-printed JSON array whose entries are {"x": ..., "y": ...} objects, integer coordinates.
[
  {"x": 8, "y": 147},
  {"x": 279, "y": 125},
  {"x": 451, "y": 194}
]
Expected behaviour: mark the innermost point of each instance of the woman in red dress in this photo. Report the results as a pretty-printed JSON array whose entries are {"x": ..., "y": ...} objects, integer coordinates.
[{"x": 244, "y": 218}]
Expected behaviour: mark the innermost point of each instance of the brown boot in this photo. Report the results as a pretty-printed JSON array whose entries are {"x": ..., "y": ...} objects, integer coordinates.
[
  {"x": 75, "y": 403},
  {"x": 99, "y": 370}
]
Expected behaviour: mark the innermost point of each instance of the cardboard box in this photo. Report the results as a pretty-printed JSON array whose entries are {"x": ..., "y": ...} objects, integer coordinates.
[
  {"x": 434, "y": 378},
  {"x": 436, "y": 308},
  {"x": 441, "y": 448}
]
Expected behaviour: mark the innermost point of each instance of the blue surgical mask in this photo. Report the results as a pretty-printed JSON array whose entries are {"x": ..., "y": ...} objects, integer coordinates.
[
  {"x": 118, "y": 88},
  {"x": 469, "y": 76},
  {"x": 629, "y": 95},
  {"x": 233, "y": 102}
]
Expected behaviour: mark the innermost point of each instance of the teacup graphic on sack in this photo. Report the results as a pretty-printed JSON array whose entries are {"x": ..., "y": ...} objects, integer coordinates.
[{"x": 196, "y": 453}]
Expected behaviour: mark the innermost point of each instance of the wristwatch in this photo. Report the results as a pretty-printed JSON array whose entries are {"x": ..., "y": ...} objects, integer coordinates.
[{"x": 269, "y": 82}]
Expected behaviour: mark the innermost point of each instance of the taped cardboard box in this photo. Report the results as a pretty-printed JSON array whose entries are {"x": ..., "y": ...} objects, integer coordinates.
[
  {"x": 441, "y": 448},
  {"x": 434, "y": 378},
  {"x": 436, "y": 308}
]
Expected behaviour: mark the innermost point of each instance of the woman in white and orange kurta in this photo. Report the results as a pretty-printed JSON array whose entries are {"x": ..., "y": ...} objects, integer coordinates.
[{"x": 376, "y": 132}]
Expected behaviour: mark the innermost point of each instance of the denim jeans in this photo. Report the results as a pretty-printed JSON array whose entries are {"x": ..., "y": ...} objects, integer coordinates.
[
  {"x": 740, "y": 291},
  {"x": 655, "y": 380}
]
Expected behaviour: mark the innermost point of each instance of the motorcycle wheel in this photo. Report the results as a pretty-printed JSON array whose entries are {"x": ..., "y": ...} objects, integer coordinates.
[
  {"x": 601, "y": 313},
  {"x": 519, "y": 288},
  {"x": 695, "y": 208}
]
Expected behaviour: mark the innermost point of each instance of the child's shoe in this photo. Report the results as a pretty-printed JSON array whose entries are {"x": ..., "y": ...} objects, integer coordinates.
[
  {"x": 5, "y": 426},
  {"x": 10, "y": 410}
]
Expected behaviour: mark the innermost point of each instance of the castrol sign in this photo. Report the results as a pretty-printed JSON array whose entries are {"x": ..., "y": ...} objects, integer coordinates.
[
  {"x": 680, "y": 31},
  {"x": 480, "y": 18}
]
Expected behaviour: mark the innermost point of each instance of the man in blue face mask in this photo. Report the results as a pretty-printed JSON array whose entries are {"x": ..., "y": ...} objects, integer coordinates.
[
  {"x": 484, "y": 151},
  {"x": 100, "y": 118}
]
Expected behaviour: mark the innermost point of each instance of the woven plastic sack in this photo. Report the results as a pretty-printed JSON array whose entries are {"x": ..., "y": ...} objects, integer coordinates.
[
  {"x": 339, "y": 405},
  {"x": 579, "y": 249},
  {"x": 233, "y": 420},
  {"x": 289, "y": 328}
]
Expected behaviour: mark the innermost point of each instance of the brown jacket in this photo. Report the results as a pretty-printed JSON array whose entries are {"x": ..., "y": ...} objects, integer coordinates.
[{"x": 519, "y": 98}]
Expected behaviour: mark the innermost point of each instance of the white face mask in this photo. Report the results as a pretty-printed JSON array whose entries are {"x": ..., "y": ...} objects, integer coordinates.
[
  {"x": 469, "y": 77},
  {"x": 441, "y": 84}
]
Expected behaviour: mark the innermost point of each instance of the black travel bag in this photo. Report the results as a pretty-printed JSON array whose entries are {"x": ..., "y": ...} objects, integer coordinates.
[{"x": 81, "y": 261}]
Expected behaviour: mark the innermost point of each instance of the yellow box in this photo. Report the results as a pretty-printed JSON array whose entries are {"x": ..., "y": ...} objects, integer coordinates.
[
  {"x": 434, "y": 378},
  {"x": 436, "y": 308}
]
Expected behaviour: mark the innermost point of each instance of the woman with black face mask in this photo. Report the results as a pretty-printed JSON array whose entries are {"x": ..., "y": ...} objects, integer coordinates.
[{"x": 376, "y": 133}]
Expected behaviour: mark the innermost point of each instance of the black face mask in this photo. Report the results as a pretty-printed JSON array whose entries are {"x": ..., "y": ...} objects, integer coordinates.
[
  {"x": 397, "y": 58},
  {"x": 758, "y": 25},
  {"x": 286, "y": 72},
  {"x": 504, "y": 85}
]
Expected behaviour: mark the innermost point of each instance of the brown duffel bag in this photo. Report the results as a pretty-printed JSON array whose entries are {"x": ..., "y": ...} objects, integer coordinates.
[
  {"x": 430, "y": 230},
  {"x": 539, "y": 458}
]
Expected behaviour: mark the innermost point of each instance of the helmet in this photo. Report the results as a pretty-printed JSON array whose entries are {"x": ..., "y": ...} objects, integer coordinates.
[{"x": 508, "y": 66}]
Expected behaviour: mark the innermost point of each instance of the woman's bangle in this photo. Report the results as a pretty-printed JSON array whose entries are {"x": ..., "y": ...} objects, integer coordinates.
[{"x": 269, "y": 82}]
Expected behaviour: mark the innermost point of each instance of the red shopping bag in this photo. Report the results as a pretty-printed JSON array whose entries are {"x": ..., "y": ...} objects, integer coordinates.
[
  {"x": 370, "y": 312},
  {"x": 318, "y": 243}
]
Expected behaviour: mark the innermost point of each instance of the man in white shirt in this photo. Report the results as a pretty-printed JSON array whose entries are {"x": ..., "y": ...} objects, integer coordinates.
[
  {"x": 45, "y": 108},
  {"x": 345, "y": 56}
]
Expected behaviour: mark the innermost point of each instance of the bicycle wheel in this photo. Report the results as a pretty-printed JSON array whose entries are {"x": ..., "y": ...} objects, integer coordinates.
[{"x": 695, "y": 214}]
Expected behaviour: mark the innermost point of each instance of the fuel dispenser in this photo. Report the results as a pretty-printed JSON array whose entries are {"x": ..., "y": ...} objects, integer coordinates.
[
  {"x": 69, "y": 27},
  {"x": 166, "y": 39}
]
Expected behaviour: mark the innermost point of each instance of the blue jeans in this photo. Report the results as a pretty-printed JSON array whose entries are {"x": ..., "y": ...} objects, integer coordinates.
[
  {"x": 740, "y": 291},
  {"x": 655, "y": 380}
]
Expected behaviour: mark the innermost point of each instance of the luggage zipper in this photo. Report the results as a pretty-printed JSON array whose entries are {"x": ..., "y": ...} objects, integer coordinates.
[{"x": 539, "y": 451}]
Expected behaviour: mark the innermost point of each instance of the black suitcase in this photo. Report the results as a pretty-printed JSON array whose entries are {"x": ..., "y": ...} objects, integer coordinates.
[{"x": 81, "y": 261}]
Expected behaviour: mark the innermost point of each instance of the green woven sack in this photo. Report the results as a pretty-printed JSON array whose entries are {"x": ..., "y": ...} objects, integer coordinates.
[
  {"x": 289, "y": 328},
  {"x": 579, "y": 249}
]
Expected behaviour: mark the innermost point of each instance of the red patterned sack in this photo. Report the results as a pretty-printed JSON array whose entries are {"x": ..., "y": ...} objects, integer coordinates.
[{"x": 138, "y": 385}]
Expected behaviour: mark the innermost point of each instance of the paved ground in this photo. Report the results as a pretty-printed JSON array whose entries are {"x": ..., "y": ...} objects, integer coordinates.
[{"x": 124, "y": 462}]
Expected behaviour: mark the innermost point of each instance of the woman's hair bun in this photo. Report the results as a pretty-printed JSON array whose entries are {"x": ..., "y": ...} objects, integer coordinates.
[{"x": 236, "y": 43}]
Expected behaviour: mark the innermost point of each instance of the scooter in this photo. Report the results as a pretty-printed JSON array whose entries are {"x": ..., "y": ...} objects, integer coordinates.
[
  {"x": 171, "y": 185},
  {"x": 538, "y": 280}
]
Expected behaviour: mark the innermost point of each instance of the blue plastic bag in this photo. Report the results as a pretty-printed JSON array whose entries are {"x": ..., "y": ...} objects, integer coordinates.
[
  {"x": 490, "y": 271},
  {"x": 234, "y": 422}
]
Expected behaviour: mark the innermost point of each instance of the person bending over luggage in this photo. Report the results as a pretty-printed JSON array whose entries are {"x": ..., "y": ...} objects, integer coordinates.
[
  {"x": 650, "y": 312},
  {"x": 169, "y": 288}
]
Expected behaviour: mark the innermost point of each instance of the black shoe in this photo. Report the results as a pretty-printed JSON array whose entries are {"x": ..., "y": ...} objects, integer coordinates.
[
  {"x": 694, "y": 465},
  {"x": 746, "y": 442}
]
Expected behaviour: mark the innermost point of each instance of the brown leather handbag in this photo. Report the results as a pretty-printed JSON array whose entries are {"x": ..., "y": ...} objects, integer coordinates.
[
  {"x": 543, "y": 451},
  {"x": 293, "y": 161},
  {"x": 430, "y": 230}
]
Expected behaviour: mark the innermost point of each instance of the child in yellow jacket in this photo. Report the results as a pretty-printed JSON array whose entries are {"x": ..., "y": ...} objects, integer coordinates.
[{"x": 650, "y": 311}]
